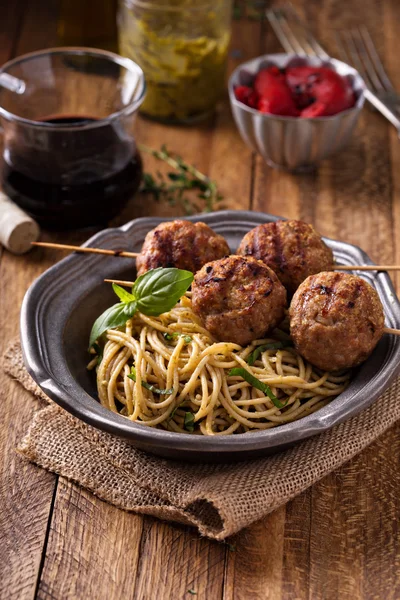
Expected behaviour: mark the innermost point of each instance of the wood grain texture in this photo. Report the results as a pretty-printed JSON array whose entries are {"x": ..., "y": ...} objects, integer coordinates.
[
  {"x": 329, "y": 550},
  {"x": 254, "y": 568},
  {"x": 390, "y": 17},
  {"x": 25, "y": 490},
  {"x": 93, "y": 549},
  {"x": 354, "y": 548},
  {"x": 176, "y": 563},
  {"x": 339, "y": 539}
]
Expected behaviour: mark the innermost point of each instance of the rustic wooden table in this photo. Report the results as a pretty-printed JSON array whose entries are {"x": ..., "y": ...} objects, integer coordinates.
[{"x": 339, "y": 539}]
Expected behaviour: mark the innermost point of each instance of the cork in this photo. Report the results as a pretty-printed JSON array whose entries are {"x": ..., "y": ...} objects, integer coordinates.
[{"x": 17, "y": 229}]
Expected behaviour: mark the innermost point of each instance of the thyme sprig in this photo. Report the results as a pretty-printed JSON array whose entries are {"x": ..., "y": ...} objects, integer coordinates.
[{"x": 174, "y": 185}]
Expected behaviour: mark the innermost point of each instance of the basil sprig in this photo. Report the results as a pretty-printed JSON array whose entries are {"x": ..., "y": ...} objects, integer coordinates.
[
  {"x": 153, "y": 293},
  {"x": 188, "y": 423},
  {"x": 149, "y": 386},
  {"x": 253, "y": 356},
  {"x": 158, "y": 290},
  {"x": 263, "y": 387}
]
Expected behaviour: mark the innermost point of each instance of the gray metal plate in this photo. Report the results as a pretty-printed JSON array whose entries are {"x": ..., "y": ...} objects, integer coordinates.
[{"x": 60, "y": 307}]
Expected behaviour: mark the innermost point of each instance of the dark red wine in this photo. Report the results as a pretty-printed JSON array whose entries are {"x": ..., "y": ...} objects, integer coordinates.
[{"x": 72, "y": 176}]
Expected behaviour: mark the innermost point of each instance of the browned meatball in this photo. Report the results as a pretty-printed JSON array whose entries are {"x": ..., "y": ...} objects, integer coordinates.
[
  {"x": 238, "y": 298},
  {"x": 293, "y": 249},
  {"x": 180, "y": 244},
  {"x": 336, "y": 320}
]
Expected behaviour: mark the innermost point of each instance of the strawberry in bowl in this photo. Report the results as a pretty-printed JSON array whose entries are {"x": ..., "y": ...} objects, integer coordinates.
[
  {"x": 298, "y": 91},
  {"x": 295, "y": 110}
]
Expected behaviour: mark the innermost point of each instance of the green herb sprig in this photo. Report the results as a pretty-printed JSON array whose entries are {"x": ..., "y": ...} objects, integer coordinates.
[
  {"x": 189, "y": 422},
  {"x": 253, "y": 356},
  {"x": 153, "y": 293},
  {"x": 149, "y": 386},
  {"x": 263, "y": 387},
  {"x": 174, "y": 185}
]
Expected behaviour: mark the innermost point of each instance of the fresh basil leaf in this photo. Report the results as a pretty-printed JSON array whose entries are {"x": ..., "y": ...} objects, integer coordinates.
[
  {"x": 154, "y": 293},
  {"x": 189, "y": 422},
  {"x": 251, "y": 359},
  {"x": 115, "y": 316},
  {"x": 149, "y": 386},
  {"x": 263, "y": 387},
  {"x": 122, "y": 294},
  {"x": 158, "y": 290}
]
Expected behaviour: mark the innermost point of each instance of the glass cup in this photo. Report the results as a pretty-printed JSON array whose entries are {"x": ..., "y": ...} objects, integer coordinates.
[
  {"x": 182, "y": 46},
  {"x": 70, "y": 157}
]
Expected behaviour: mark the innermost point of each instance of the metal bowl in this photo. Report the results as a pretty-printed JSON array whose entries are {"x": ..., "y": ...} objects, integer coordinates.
[
  {"x": 294, "y": 143},
  {"x": 60, "y": 307}
]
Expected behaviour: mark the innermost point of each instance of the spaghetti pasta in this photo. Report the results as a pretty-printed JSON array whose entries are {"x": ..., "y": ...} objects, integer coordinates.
[{"x": 181, "y": 380}]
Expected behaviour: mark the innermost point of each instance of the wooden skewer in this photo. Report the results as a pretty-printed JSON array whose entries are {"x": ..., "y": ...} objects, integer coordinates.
[
  {"x": 131, "y": 283},
  {"x": 125, "y": 254},
  {"x": 86, "y": 250},
  {"x": 119, "y": 282},
  {"x": 366, "y": 267},
  {"x": 391, "y": 330},
  {"x": 135, "y": 254}
]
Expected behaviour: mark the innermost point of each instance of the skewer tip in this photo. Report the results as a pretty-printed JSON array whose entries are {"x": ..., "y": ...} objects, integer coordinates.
[{"x": 120, "y": 282}]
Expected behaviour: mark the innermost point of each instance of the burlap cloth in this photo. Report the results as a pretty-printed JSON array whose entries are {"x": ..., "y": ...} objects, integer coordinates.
[{"x": 218, "y": 499}]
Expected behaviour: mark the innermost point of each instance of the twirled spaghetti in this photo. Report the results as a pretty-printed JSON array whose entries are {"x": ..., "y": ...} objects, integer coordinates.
[{"x": 174, "y": 354}]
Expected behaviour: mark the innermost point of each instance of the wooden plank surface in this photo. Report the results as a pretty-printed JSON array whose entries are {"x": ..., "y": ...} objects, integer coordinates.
[
  {"x": 339, "y": 539},
  {"x": 26, "y": 492}
]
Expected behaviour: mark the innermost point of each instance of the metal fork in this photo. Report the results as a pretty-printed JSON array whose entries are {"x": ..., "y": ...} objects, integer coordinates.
[
  {"x": 296, "y": 38},
  {"x": 356, "y": 47}
]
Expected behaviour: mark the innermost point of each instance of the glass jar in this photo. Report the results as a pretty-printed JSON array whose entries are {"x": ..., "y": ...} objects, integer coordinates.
[{"x": 182, "y": 47}]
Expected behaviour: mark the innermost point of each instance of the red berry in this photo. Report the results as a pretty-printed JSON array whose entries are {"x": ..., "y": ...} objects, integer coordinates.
[
  {"x": 275, "y": 96},
  {"x": 316, "y": 109},
  {"x": 267, "y": 77},
  {"x": 242, "y": 93},
  {"x": 253, "y": 99},
  {"x": 320, "y": 85}
]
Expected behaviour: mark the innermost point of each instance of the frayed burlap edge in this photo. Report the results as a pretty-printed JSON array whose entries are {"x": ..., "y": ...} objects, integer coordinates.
[{"x": 217, "y": 499}]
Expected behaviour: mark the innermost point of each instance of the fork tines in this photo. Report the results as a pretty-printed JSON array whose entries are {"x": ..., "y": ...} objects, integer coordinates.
[
  {"x": 293, "y": 33},
  {"x": 356, "y": 47}
]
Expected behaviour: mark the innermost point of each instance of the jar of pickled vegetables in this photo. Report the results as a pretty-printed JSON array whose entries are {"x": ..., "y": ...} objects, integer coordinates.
[{"x": 182, "y": 47}]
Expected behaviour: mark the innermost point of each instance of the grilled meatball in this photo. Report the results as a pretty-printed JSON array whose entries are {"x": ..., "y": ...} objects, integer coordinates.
[
  {"x": 180, "y": 244},
  {"x": 336, "y": 320},
  {"x": 293, "y": 249},
  {"x": 238, "y": 298}
]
